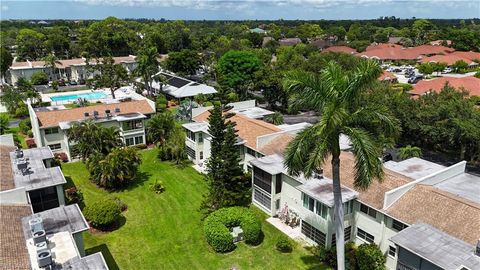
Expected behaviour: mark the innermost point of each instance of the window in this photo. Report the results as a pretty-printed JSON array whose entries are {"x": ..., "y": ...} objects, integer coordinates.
[
  {"x": 262, "y": 179},
  {"x": 277, "y": 204},
  {"x": 348, "y": 207},
  {"x": 347, "y": 235},
  {"x": 134, "y": 124},
  {"x": 392, "y": 251},
  {"x": 262, "y": 198},
  {"x": 200, "y": 137},
  {"x": 43, "y": 199},
  {"x": 368, "y": 210},
  {"x": 201, "y": 154},
  {"x": 51, "y": 130},
  {"x": 250, "y": 151},
  {"x": 313, "y": 233},
  {"x": 55, "y": 146},
  {"x": 278, "y": 183},
  {"x": 308, "y": 202},
  {"x": 139, "y": 140},
  {"x": 190, "y": 134},
  {"x": 190, "y": 152},
  {"x": 365, "y": 236},
  {"x": 315, "y": 206},
  {"x": 398, "y": 226},
  {"x": 322, "y": 210},
  {"x": 129, "y": 141}
]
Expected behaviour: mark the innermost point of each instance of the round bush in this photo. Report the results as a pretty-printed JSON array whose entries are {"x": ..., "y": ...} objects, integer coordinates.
[
  {"x": 284, "y": 244},
  {"x": 102, "y": 213},
  {"x": 218, "y": 224},
  {"x": 370, "y": 257}
]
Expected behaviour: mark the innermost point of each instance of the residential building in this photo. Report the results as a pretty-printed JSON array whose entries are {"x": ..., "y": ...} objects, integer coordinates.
[
  {"x": 394, "y": 52},
  {"x": 67, "y": 69},
  {"x": 449, "y": 59},
  {"x": 258, "y": 31},
  {"x": 289, "y": 41},
  {"x": 412, "y": 192},
  {"x": 256, "y": 138},
  {"x": 471, "y": 84},
  {"x": 180, "y": 88},
  {"x": 128, "y": 114},
  {"x": 343, "y": 49},
  {"x": 395, "y": 40}
]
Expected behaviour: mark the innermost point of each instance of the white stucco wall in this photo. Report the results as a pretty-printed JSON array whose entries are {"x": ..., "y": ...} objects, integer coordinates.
[{"x": 14, "y": 196}]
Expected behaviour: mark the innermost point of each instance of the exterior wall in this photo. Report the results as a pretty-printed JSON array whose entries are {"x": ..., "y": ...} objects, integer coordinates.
[
  {"x": 35, "y": 126},
  {"x": 412, "y": 261},
  {"x": 25, "y": 73},
  {"x": 61, "y": 195},
  {"x": 78, "y": 237},
  {"x": 14, "y": 196}
]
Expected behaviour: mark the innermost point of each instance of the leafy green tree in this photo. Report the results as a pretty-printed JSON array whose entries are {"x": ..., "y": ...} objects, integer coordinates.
[
  {"x": 30, "y": 44},
  {"x": 111, "y": 75},
  {"x": 4, "y": 123},
  {"x": 465, "y": 39},
  {"x": 51, "y": 62},
  {"x": 11, "y": 97},
  {"x": 6, "y": 60},
  {"x": 370, "y": 257},
  {"x": 460, "y": 66},
  {"x": 161, "y": 103},
  {"x": 39, "y": 78},
  {"x": 174, "y": 147},
  {"x": 91, "y": 138},
  {"x": 116, "y": 169},
  {"x": 306, "y": 31},
  {"x": 276, "y": 118},
  {"x": 159, "y": 127},
  {"x": 422, "y": 31},
  {"x": 336, "y": 94},
  {"x": 58, "y": 42},
  {"x": 185, "y": 62},
  {"x": 147, "y": 66},
  {"x": 236, "y": 70},
  {"x": 409, "y": 152},
  {"x": 425, "y": 68}
]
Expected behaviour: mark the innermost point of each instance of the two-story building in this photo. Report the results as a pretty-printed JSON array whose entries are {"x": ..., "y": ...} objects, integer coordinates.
[
  {"x": 50, "y": 124},
  {"x": 412, "y": 192}
]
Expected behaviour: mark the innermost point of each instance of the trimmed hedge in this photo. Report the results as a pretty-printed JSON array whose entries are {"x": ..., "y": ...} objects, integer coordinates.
[
  {"x": 102, "y": 213},
  {"x": 218, "y": 224}
]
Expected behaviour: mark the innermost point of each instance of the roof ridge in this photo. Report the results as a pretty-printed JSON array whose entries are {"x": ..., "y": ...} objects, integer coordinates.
[
  {"x": 259, "y": 122},
  {"x": 450, "y": 196}
]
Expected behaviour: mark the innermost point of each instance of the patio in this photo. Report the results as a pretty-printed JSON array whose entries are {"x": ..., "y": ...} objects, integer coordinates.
[{"x": 294, "y": 233}]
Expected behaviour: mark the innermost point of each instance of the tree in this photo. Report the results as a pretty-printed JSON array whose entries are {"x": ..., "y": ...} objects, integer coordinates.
[
  {"x": 147, "y": 66},
  {"x": 161, "y": 103},
  {"x": 159, "y": 127},
  {"x": 425, "y": 68},
  {"x": 276, "y": 118},
  {"x": 236, "y": 70},
  {"x": 460, "y": 66},
  {"x": 30, "y": 44},
  {"x": 370, "y": 257},
  {"x": 51, "y": 61},
  {"x": 39, "y": 78},
  {"x": 6, "y": 60},
  {"x": 116, "y": 169},
  {"x": 465, "y": 39},
  {"x": 111, "y": 75},
  {"x": 91, "y": 138},
  {"x": 422, "y": 31},
  {"x": 336, "y": 95},
  {"x": 174, "y": 147},
  {"x": 4, "y": 123},
  {"x": 11, "y": 97},
  {"x": 409, "y": 152},
  {"x": 185, "y": 62}
]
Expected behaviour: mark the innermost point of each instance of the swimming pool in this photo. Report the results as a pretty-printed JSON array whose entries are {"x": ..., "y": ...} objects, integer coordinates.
[{"x": 87, "y": 96}]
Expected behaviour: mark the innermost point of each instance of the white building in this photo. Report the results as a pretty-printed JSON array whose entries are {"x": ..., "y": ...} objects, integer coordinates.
[
  {"x": 180, "y": 88},
  {"x": 127, "y": 112},
  {"x": 68, "y": 69},
  {"x": 413, "y": 192}
]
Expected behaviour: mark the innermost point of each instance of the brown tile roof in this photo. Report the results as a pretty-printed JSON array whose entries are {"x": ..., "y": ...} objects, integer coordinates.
[
  {"x": 449, "y": 59},
  {"x": 6, "y": 174},
  {"x": 468, "y": 55},
  {"x": 289, "y": 41},
  {"x": 374, "y": 195},
  {"x": 396, "y": 52},
  {"x": 387, "y": 76},
  {"x": 471, "y": 84},
  {"x": 277, "y": 145},
  {"x": 453, "y": 215},
  {"x": 344, "y": 49},
  {"x": 13, "y": 248},
  {"x": 247, "y": 128},
  {"x": 375, "y": 46},
  {"x": 52, "y": 118}
]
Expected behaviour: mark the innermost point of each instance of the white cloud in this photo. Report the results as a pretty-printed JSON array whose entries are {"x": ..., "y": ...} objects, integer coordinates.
[{"x": 4, "y": 7}]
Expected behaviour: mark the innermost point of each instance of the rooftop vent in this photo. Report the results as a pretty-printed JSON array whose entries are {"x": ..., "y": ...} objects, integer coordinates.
[
  {"x": 22, "y": 165},
  {"x": 86, "y": 114},
  {"x": 39, "y": 236},
  {"x": 107, "y": 111},
  {"x": 117, "y": 110},
  {"x": 44, "y": 258},
  {"x": 36, "y": 224},
  {"x": 318, "y": 173},
  {"x": 95, "y": 114},
  {"x": 19, "y": 153}
]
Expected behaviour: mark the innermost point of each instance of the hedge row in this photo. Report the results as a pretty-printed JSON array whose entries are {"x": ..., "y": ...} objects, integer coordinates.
[{"x": 218, "y": 224}]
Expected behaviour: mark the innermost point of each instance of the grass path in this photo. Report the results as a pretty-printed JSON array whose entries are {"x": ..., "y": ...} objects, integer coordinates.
[{"x": 164, "y": 231}]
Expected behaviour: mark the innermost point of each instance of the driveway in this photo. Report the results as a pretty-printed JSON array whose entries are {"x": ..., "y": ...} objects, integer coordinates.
[{"x": 309, "y": 117}]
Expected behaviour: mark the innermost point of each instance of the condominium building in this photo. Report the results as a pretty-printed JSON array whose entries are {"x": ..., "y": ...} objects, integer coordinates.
[{"x": 417, "y": 203}]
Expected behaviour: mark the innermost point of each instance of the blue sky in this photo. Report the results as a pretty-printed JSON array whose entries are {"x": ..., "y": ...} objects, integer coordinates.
[{"x": 238, "y": 9}]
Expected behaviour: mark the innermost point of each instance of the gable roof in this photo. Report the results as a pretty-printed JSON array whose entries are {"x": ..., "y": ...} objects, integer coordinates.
[
  {"x": 54, "y": 117},
  {"x": 449, "y": 59},
  {"x": 277, "y": 145},
  {"x": 343, "y": 49},
  {"x": 471, "y": 84},
  {"x": 248, "y": 129},
  {"x": 472, "y": 56}
]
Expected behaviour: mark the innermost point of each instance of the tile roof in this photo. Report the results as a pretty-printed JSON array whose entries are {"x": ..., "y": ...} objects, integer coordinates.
[
  {"x": 375, "y": 46},
  {"x": 468, "y": 55},
  {"x": 396, "y": 52},
  {"x": 289, "y": 41},
  {"x": 344, "y": 49},
  {"x": 6, "y": 173},
  {"x": 277, "y": 145},
  {"x": 247, "y": 128},
  {"x": 13, "y": 251},
  {"x": 65, "y": 63},
  {"x": 471, "y": 84},
  {"x": 387, "y": 76},
  {"x": 427, "y": 204},
  {"x": 374, "y": 195},
  {"x": 54, "y": 117},
  {"x": 449, "y": 59}
]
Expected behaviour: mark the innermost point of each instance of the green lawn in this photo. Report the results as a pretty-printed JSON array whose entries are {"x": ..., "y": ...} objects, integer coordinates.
[{"x": 164, "y": 231}]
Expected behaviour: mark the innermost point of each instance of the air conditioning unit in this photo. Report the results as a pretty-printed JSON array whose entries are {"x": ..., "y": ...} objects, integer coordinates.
[
  {"x": 117, "y": 110},
  {"x": 36, "y": 224},
  {"x": 39, "y": 236},
  {"x": 23, "y": 165},
  {"x": 44, "y": 258},
  {"x": 86, "y": 114},
  {"x": 19, "y": 153},
  {"x": 95, "y": 114},
  {"x": 41, "y": 246},
  {"x": 107, "y": 112}
]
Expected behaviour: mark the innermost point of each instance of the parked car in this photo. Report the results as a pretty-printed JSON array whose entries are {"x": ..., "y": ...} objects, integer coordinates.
[
  {"x": 415, "y": 79},
  {"x": 81, "y": 81},
  {"x": 447, "y": 70},
  {"x": 72, "y": 82},
  {"x": 61, "y": 82}
]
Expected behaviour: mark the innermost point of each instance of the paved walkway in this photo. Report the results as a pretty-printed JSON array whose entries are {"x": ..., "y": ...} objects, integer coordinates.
[{"x": 293, "y": 233}]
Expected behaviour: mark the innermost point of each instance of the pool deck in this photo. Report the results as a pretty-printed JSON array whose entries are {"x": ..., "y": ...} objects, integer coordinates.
[{"x": 121, "y": 93}]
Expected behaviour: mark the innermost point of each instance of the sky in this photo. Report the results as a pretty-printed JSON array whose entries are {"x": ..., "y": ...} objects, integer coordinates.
[{"x": 238, "y": 9}]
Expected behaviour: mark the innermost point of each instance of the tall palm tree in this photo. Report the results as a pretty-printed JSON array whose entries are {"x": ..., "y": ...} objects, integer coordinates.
[
  {"x": 336, "y": 95},
  {"x": 160, "y": 127},
  {"x": 147, "y": 66},
  {"x": 51, "y": 61}
]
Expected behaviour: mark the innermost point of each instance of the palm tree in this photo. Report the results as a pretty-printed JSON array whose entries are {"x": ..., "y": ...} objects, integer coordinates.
[
  {"x": 160, "y": 127},
  {"x": 336, "y": 95},
  {"x": 147, "y": 66},
  {"x": 51, "y": 61}
]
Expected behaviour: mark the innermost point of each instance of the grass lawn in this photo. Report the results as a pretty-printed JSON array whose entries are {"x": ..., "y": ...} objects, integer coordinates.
[
  {"x": 164, "y": 231},
  {"x": 21, "y": 137}
]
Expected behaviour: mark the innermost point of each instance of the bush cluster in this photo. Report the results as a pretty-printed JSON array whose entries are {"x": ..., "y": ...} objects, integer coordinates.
[
  {"x": 284, "y": 244},
  {"x": 102, "y": 213},
  {"x": 218, "y": 224},
  {"x": 74, "y": 195},
  {"x": 25, "y": 126},
  {"x": 365, "y": 257}
]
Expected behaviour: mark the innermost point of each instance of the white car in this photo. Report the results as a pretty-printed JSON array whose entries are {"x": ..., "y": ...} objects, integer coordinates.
[{"x": 447, "y": 70}]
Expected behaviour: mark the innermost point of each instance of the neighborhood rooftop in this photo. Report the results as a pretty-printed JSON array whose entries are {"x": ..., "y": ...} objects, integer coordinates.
[
  {"x": 65, "y": 63},
  {"x": 469, "y": 83},
  {"x": 179, "y": 87}
]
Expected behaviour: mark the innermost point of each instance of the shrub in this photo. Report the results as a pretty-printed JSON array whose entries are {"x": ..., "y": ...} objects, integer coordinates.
[
  {"x": 123, "y": 206},
  {"x": 370, "y": 257},
  {"x": 30, "y": 143},
  {"x": 102, "y": 213},
  {"x": 30, "y": 134},
  {"x": 141, "y": 146},
  {"x": 25, "y": 126},
  {"x": 157, "y": 187},
  {"x": 477, "y": 74},
  {"x": 328, "y": 256},
  {"x": 39, "y": 78},
  {"x": 61, "y": 156},
  {"x": 73, "y": 195},
  {"x": 218, "y": 224},
  {"x": 21, "y": 110},
  {"x": 161, "y": 103},
  {"x": 284, "y": 244}
]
